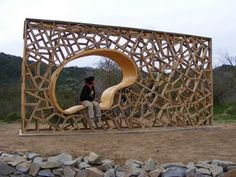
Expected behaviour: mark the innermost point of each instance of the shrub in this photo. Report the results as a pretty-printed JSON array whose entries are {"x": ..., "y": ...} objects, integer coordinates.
[
  {"x": 231, "y": 110},
  {"x": 12, "y": 117}
]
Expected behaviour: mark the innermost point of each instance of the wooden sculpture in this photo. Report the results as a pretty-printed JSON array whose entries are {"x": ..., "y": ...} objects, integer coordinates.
[{"x": 167, "y": 77}]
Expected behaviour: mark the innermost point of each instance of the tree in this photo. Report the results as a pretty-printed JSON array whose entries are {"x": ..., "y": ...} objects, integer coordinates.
[
  {"x": 226, "y": 59},
  {"x": 224, "y": 83},
  {"x": 108, "y": 74}
]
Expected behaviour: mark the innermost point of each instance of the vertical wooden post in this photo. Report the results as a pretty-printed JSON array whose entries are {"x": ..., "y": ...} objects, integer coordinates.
[
  {"x": 23, "y": 96},
  {"x": 211, "y": 80}
]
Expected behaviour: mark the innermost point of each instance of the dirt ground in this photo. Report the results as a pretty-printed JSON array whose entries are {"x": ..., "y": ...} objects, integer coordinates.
[{"x": 163, "y": 145}]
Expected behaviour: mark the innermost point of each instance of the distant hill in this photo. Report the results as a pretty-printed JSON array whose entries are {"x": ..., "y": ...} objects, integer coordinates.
[
  {"x": 71, "y": 80},
  {"x": 10, "y": 69}
]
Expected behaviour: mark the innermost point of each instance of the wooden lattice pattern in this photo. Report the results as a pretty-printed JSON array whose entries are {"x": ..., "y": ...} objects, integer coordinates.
[{"x": 174, "y": 87}]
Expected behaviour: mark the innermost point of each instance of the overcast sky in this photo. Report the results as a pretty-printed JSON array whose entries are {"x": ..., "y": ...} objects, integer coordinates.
[{"x": 210, "y": 18}]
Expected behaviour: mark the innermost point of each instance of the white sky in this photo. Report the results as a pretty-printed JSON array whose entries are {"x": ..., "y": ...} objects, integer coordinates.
[{"x": 210, "y": 18}]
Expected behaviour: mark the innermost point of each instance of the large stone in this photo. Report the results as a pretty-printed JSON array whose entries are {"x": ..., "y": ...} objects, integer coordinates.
[
  {"x": 63, "y": 158},
  {"x": 84, "y": 165},
  {"x": 50, "y": 164},
  {"x": 106, "y": 165},
  {"x": 13, "y": 160},
  {"x": 14, "y": 163},
  {"x": 23, "y": 167},
  {"x": 224, "y": 164},
  {"x": 134, "y": 163},
  {"x": 203, "y": 171},
  {"x": 58, "y": 171},
  {"x": 7, "y": 155},
  {"x": 216, "y": 170},
  {"x": 38, "y": 160},
  {"x": 110, "y": 173},
  {"x": 68, "y": 172},
  {"x": 32, "y": 155},
  {"x": 46, "y": 173},
  {"x": 174, "y": 171},
  {"x": 93, "y": 172},
  {"x": 34, "y": 169},
  {"x": 6, "y": 169},
  {"x": 150, "y": 165},
  {"x": 93, "y": 158},
  {"x": 73, "y": 162},
  {"x": 203, "y": 165}
]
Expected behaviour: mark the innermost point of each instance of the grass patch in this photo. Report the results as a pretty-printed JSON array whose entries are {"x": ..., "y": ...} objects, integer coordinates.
[
  {"x": 225, "y": 113},
  {"x": 12, "y": 117},
  {"x": 225, "y": 118}
]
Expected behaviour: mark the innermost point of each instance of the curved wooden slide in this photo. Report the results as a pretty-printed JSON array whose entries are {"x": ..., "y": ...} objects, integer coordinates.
[{"x": 127, "y": 66}]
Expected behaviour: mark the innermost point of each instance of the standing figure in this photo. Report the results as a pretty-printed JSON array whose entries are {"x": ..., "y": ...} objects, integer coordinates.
[{"x": 88, "y": 99}]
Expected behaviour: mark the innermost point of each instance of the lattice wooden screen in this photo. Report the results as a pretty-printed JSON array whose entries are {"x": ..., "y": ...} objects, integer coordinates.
[{"x": 174, "y": 87}]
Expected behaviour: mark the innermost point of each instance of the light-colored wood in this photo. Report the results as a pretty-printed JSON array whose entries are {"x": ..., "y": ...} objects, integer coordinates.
[
  {"x": 173, "y": 86},
  {"x": 23, "y": 78},
  {"x": 129, "y": 72}
]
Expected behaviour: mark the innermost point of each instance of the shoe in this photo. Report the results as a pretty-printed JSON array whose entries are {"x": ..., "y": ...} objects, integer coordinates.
[{"x": 100, "y": 122}]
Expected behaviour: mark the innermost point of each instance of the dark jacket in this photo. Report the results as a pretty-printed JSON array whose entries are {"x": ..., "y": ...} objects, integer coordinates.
[{"x": 87, "y": 93}]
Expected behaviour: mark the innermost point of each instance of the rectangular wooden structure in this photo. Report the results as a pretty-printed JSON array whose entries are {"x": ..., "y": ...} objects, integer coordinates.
[{"x": 174, "y": 87}]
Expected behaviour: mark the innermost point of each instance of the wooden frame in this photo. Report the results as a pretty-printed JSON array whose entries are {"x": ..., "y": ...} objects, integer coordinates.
[{"x": 174, "y": 85}]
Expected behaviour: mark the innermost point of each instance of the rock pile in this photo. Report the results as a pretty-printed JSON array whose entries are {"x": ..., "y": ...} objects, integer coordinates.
[{"x": 92, "y": 165}]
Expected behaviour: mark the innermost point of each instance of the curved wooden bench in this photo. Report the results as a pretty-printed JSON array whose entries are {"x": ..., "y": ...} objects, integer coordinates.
[{"x": 127, "y": 66}]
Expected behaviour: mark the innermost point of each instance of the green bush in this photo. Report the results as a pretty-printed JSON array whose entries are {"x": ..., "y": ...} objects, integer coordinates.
[
  {"x": 231, "y": 110},
  {"x": 12, "y": 117},
  {"x": 225, "y": 113},
  {"x": 225, "y": 118}
]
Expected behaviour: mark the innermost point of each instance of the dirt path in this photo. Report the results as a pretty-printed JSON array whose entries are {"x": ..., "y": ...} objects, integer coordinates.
[{"x": 164, "y": 146}]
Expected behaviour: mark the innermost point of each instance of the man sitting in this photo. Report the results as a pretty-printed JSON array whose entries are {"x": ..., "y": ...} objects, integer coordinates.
[{"x": 87, "y": 98}]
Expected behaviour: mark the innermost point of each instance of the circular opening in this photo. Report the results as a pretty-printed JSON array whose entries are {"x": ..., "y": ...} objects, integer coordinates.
[
  {"x": 71, "y": 79},
  {"x": 129, "y": 73}
]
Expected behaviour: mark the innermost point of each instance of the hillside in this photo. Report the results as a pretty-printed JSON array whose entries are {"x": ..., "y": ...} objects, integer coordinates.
[{"x": 10, "y": 69}]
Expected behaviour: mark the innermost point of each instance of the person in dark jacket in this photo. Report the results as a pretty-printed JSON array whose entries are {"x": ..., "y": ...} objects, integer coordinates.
[{"x": 88, "y": 99}]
